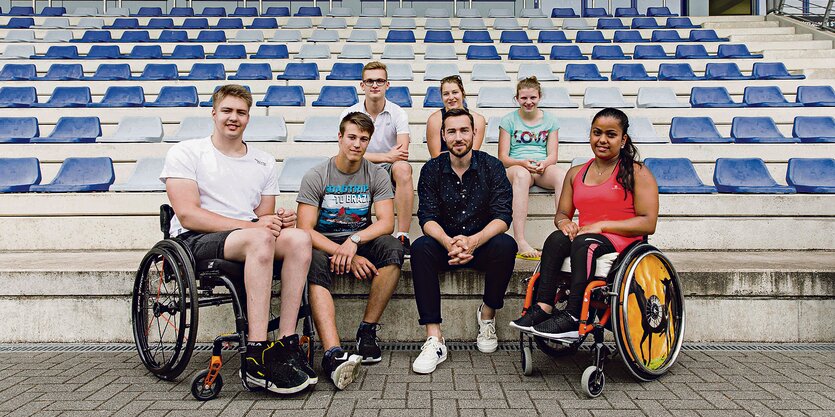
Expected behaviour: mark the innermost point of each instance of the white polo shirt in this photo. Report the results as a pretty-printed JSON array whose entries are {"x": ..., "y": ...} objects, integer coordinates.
[{"x": 392, "y": 121}]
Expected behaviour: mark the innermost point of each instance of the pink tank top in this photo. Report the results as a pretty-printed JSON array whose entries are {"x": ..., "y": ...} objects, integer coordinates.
[{"x": 604, "y": 202}]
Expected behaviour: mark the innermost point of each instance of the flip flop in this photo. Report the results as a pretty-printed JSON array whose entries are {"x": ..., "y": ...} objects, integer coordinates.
[{"x": 528, "y": 255}]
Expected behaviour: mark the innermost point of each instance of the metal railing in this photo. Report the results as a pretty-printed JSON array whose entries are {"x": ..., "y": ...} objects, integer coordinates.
[{"x": 817, "y": 14}]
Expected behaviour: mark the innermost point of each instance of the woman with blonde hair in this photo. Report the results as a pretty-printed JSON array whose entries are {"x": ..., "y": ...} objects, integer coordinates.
[{"x": 453, "y": 95}]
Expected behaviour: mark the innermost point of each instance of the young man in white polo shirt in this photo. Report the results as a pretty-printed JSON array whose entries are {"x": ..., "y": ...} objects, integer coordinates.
[{"x": 389, "y": 145}]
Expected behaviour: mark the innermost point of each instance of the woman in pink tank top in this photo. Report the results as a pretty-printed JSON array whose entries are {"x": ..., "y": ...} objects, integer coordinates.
[{"x": 617, "y": 200}]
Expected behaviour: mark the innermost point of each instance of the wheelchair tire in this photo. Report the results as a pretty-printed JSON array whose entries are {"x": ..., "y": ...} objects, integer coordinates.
[
  {"x": 164, "y": 309},
  {"x": 593, "y": 381},
  {"x": 648, "y": 312},
  {"x": 203, "y": 393}
]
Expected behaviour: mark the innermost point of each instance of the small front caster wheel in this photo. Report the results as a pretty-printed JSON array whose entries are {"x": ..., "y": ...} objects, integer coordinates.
[
  {"x": 203, "y": 392},
  {"x": 593, "y": 381},
  {"x": 527, "y": 360}
]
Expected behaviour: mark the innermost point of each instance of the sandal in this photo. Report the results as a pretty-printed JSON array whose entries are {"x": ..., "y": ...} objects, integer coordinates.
[{"x": 531, "y": 255}]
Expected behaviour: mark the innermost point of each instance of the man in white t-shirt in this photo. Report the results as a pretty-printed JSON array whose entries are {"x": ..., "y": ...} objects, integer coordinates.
[
  {"x": 389, "y": 145},
  {"x": 223, "y": 193}
]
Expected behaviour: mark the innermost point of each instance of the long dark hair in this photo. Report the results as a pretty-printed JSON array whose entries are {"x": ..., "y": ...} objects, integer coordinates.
[{"x": 628, "y": 154}]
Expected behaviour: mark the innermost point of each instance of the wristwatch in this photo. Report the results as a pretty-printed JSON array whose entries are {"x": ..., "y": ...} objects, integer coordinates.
[{"x": 356, "y": 238}]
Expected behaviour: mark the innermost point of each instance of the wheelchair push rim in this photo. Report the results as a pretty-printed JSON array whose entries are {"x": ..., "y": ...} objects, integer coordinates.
[
  {"x": 164, "y": 311},
  {"x": 648, "y": 312}
]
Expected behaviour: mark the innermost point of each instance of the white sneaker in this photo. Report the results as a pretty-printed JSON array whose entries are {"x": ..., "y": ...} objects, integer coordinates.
[
  {"x": 486, "y": 341},
  {"x": 432, "y": 353}
]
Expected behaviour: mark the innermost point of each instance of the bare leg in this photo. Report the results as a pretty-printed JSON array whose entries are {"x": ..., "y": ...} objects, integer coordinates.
[
  {"x": 521, "y": 180},
  {"x": 324, "y": 315},
  {"x": 293, "y": 247},
  {"x": 404, "y": 194},
  {"x": 434, "y": 329},
  {"x": 487, "y": 312},
  {"x": 254, "y": 247},
  {"x": 382, "y": 287},
  {"x": 552, "y": 179}
]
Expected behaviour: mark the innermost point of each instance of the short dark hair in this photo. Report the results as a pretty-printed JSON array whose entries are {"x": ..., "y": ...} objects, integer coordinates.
[
  {"x": 360, "y": 120},
  {"x": 456, "y": 112}
]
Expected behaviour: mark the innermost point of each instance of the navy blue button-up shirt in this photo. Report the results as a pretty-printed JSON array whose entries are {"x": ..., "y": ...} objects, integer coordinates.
[{"x": 464, "y": 206}]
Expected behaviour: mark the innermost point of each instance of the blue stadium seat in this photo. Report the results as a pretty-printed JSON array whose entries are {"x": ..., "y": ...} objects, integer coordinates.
[
  {"x": 300, "y": 71},
  {"x": 816, "y": 95},
  {"x": 73, "y": 130},
  {"x": 145, "y": 52},
  {"x": 63, "y": 72},
  {"x": 724, "y": 71},
  {"x": 773, "y": 71},
  {"x": 18, "y": 72},
  {"x": 757, "y": 130},
  {"x": 336, "y": 96},
  {"x": 712, "y": 97},
  {"x": 160, "y": 23},
  {"x": 187, "y": 52},
  {"x": 482, "y": 52},
  {"x": 812, "y": 175},
  {"x": 21, "y": 11},
  {"x": 705, "y": 35},
  {"x": 172, "y": 36},
  {"x": 67, "y": 97},
  {"x": 677, "y": 176},
  {"x": 596, "y": 12},
  {"x": 210, "y": 36},
  {"x": 692, "y": 52},
  {"x": 103, "y": 52},
  {"x": 433, "y": 98},
  {"x": 735, "y": 51},
  {"x": 814, "y": 129},
  {"x": 229, "y": 23},
  {"x": 149, "y": 12},
  {"x": 308, "y": 11},
  {"x": 645, "y": 23},
  {"x": 613, "y": 52},
  {"x": 610, "y": 23},
  {"x": 563, "y": 12},
  {"x": 179, "y": 96},
  {"x": 245, "y": 12},
  {"x": 263, "y": 23},
  {"x": 213, "y": 12},
  {"x": 181, "y": 12},
  {"x": 649, "y": 52},
  {"x": 590, "y": 36},
  {"x": 627, "y": 12},
  {"x": 123, "y": 23},
  {"x": 666, "y": 36},
  {"x": 78, "y": 175},
  {"x": 195, "y": 23},
  {"x": 399, "y": 95},
  {"x": 766, "y": 96},
  {"x": 94, "y": 36},
  {"x": 514, "y": 36},
  {"x": 271, "y": 52},
  {"x": 628, "y": 36},
  {"x": 201, "y": 71},
  {"x": 345, "y": 71},
  {"x": 583, "y": 72},
  {"x": 136, "y": 36},
  {"x": 122, "y": 96},
  {"x": 525, "y": 52},
  {"x": 680, "y": 23},
  {"x": 18, "y": 174},
  {"x": 228, "y": 52},
  {"x": 567, "y": 52},
  {"x": 663, "y": 11},
  {"x": 477, "y": 36},
  {"x": 400, "y": 36},
  {"x": 110, "y": 72},
  {"x": 630, "y": 72},
  {"x": 282, "y": 95},
  {"x": 249, "y": 71},
  {"x": 19, "y": 23},
  {"x": 438, "y": 36},
  {"x": 208, "y": 103},
  {"x": 17, "y": 97},
  {"x": 746, "y": 176},
  {"x": 695, "y": 130},
  {"x": 677, "y": 72},
  {"x": 59, "y": 52},
  {"x": 552, "y": 36},
  {"x": 18, "y": 129},
  {"x": 277, "y": 12},
  {"x": 158, "y": 72}
]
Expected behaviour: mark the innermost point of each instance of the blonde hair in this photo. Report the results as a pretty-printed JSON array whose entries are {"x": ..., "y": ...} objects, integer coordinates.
[
  {"x": 454, "y": 79},
  {"x": 232, "y": 90},
  {"x": 529, "y": 82},
  {"x": 374, "y": 65}
]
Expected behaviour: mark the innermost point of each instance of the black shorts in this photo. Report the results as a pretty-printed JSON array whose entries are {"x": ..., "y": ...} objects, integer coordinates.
[
  {"x": 205, "y": 245},
  {"x": 383, "y": 251}
]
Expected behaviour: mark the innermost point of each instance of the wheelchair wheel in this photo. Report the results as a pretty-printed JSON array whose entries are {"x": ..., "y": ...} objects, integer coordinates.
[
  {"x": 200, "y": 391},
  {"x": 527, "y": 354},
  {"x": 164, "y": 309},
  {"x": 648, "y": 315},
  {"x": 593, "y": 381}
]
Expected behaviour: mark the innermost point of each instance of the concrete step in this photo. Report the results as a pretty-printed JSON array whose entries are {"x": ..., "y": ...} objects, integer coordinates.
[{"x": 778, "y": 296}]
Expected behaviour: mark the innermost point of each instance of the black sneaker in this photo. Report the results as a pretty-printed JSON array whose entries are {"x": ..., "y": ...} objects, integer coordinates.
[
  {"x": 341, "y": 367},
  {"x": 268, "y": 366},
  {"x": 299, "y": 359},
  {"x": 407, "y": 245},
  {"x": 532, "y": 317},
  {"x": 367, "y": 346},
  {"x": 561, "y": 325}
]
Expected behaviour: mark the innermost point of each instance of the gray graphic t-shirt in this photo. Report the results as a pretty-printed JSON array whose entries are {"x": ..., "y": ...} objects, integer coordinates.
[{"x": 344, "y": 200}]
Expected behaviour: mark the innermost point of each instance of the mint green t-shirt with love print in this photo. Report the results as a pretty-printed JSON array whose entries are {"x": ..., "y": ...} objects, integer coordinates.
[{"x": 528, "y": 142}]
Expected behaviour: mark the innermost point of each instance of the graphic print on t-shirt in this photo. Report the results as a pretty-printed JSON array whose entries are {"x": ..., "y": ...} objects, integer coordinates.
[
  {"x": 526, "y": 136},
  {"x": 345, "y": 208}
]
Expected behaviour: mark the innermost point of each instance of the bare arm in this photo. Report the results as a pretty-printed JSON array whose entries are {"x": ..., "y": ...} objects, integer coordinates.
[
  {"x": 504, "y": 152},
  {"x": 308, "y": 215},
  {"x": 185, "y": 198},
  {"x": 551, "y": 148},
  {"x": 399, "y": 152},
  {"x": 433, "y": 135},
  {"x": 480, "y": 130},
  {"x": 566, "y": 208}
]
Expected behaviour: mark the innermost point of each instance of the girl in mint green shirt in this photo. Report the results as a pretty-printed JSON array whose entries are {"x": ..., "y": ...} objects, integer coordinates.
[{"x": 528, "y": 149}]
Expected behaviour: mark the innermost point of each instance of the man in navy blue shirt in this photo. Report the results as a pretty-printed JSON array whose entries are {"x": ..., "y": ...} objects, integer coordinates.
[{"x": 465, "y": 208}]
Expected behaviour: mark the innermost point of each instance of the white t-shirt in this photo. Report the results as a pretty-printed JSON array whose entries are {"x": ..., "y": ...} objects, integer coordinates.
[
  {"x": 230, "y": 187},
  {"x": 392, "y": 121}
]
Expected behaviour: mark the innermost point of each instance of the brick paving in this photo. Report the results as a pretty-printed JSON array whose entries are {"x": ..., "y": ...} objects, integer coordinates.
[{"x": 703, "y": 383}]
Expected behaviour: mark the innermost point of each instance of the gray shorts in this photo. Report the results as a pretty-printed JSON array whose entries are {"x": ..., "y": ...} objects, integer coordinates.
[
  {"x": 383, "y": 251},
  {"x": 205, "y": 245}
]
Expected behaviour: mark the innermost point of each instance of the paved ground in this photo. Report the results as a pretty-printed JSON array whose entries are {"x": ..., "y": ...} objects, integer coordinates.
[{"x": 704, "y": 382}]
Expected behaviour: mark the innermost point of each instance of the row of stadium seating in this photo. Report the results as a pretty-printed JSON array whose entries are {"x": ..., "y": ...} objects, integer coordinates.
[
  {"x": 674, "y": 175},
  {"x": 806, "y": 129}
]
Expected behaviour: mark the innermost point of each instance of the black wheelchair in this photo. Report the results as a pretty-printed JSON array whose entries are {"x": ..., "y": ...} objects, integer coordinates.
[
  {"x": 635, "y": 294},
  {"x": 169, "y": 289}
]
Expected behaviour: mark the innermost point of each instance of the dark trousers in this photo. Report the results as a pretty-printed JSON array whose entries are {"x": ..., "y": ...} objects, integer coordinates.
[
  {"x": 496, "y": 258},
  {"x": 584, "y": 251}
]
